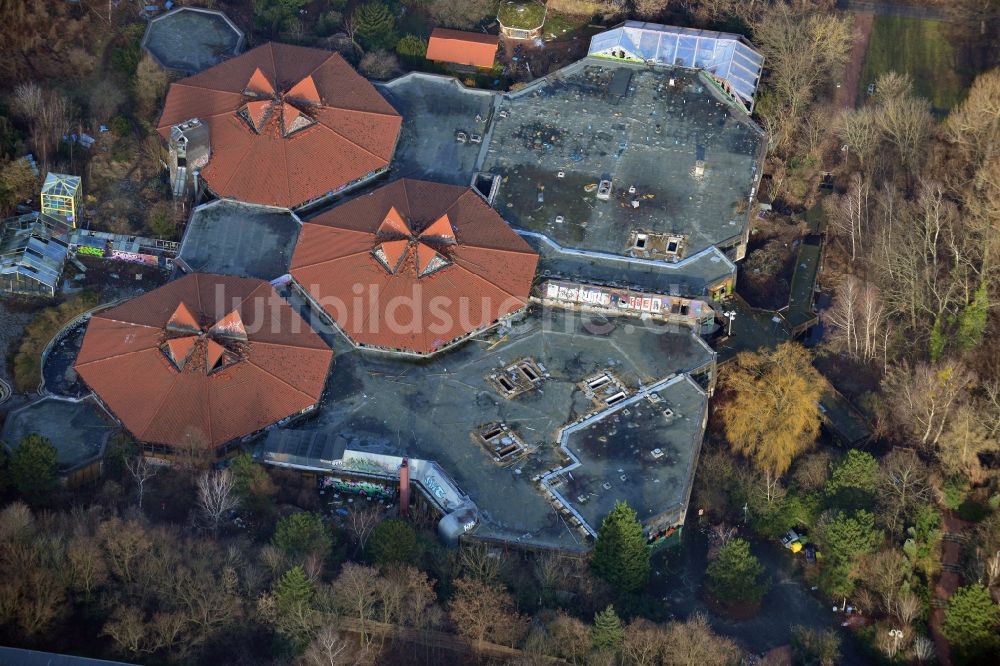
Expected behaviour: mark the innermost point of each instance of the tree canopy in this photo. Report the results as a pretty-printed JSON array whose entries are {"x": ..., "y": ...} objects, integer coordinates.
[
  {"x": 736, "y": 573},
  {"x": 770, "y": 408},
  {"x": 302, "y": 534},
  {"x": 393, "y": 540},
  {"x": 621, "y": 554},
  {"x": 972, "y": 623},
  {"x": 34, "y": 468},
  {"x": 607, "y": 633}
]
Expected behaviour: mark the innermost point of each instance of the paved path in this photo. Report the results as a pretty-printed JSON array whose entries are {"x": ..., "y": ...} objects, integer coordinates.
[
  {"x": 892, "y": 9},
  {"x": 788, "y": 603}
]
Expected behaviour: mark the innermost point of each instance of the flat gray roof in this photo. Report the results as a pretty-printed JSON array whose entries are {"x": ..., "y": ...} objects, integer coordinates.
[
  {"x": 692, "y": 278},
  {"x": 232, "y": 238},
  {"x": 190, "y": 39},
  {"x": 78, "y": 429},
  {"x": 434, "y": 108},
  {"x": 649, "y": 139},
  {"x": 617, "y": 458},
  {"x": 430, "y": 410}
]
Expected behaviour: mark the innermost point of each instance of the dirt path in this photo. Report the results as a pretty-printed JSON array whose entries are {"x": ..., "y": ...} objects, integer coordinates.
[
  {"x": 847, "y": 93},
  {"x": 892, "y": 9},
  {"x": 949, "y": 580}
]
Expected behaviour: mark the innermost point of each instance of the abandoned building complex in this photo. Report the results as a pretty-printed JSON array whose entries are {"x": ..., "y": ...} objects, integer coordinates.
[{"x": 499, "y": 299}]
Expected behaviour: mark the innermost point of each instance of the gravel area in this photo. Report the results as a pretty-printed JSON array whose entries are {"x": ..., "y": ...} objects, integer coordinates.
[{"x": 12, "y": 325}]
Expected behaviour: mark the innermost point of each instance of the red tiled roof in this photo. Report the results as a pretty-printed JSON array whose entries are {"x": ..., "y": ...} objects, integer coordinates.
[
  {"x": 463, "y": 48},
  {"x": 240, "y": 360},
  {"x": 312, "y": 124},
  {"x": 413, "y": 265}
]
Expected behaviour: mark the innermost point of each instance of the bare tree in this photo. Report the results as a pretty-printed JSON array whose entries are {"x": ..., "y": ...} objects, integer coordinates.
[
  {"x": 329, "y": 648},
  {"x": 216, "y": 497},
  {"x": 923, "y": 649},
  {"x": 355, "y": 593},
  {"x": 484, "y": 612},
  {"x": 859, "y": 130},
  {"x": 361, "y": 523},
  {"x": 924, "y": 398},
  {"x": 481, "y": 561},
  {"x": 857, "y": 320},
  {"x": 693, "y": 643},
  {"x": 47, "y": 112},
  {"x": 141, "y": 471},
  {"x": 849, "y": 214},
  {"x": 902, "y": 486}
]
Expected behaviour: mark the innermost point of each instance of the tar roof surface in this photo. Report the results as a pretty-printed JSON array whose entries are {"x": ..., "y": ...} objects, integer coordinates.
[
  {"x": 433, "y": 258},
  {"x": 161, "y": 379},
  {"x": 567, "y": 122},
  {"x": 429, "y": 409},
  {"x": 311, "y": 125},
  {"x": 617, "y": 450},
  {"x": 692, "y": 278},
  {"x": 78, "y": 429},
  {"x": 434, "y": 108},
  {"x": 190, "y": 39},
  {"x": 232, "y": 238}
]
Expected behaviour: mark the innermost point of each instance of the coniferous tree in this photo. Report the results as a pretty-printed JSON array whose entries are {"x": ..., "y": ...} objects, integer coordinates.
[
  {"x": 34, "y": 468},
  {"x": 621, "y": 554},
  {"x": 375, "y": 26},
  {"x": 736, "y": 574},
  {"x": 971, "y": 624},
  {"x": 607, "y": 633}
]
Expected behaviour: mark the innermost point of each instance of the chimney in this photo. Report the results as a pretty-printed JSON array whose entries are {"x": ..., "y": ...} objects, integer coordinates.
[{"x": 404, "y": 488}]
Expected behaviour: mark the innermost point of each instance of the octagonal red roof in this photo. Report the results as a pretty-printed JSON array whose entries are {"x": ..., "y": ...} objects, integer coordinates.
[
  {"x": 203, "y": 360},
  {"x": 414, "y": 265},
  {"x": 287, "y": 124}
]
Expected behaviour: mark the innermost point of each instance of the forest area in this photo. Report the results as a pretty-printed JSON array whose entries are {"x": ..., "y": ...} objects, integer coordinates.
[{"x": 190, "y": 564}]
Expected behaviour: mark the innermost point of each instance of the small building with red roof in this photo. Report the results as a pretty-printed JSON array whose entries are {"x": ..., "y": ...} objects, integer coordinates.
[
  {"x": 203, "y": 361},
  {"x": 286, "y": 126},
  {"x": 471, "y": 49},
  {"x": 413, "y": 267}
]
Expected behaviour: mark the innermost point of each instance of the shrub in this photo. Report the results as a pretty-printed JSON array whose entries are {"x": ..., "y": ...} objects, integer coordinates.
[
  {"x": 378, "y": 64},
  {"x": 411, "y": 46},
  {"x": 34, "y": 469},
  {"x": 393, "y": 540},
  {"x": 302, "y": 534}
]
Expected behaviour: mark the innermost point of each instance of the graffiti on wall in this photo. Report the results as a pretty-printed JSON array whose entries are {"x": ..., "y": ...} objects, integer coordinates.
[{"x": 364, "y": 488}]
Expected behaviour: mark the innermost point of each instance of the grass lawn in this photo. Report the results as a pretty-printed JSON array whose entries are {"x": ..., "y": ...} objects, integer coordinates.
[
  {"x": 524, "y": 14},
  {"x": 921, "y": 49},
  {"x": 557, "y": 25}
]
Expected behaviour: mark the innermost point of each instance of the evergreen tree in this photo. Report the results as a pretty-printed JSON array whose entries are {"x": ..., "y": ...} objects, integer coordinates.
[
  {"x": 621, "y": 554},
  {"x": 736, "y": 574},
  {"x": 853, "y": 481},
  {"x": 375, "y": 26},
  {"x": 293, "y": 588},
  {"x": 607, "y": 633},
  {"x": 274, "y": 15},
  {"x": 302, "y": 534},
  {"x": 412, "y": 47},
  {"x": 393, "y": 541},
  {"x": 34, "y": 469},
  {"x": 972, "y": 624}
]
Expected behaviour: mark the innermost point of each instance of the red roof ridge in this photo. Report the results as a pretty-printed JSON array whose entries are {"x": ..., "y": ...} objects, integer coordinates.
[
  {"x": 328, "y": 261},
  {"x": 230, "y": 326},
  {"x": 479, "y": 37},
  {"x": 116, "y": 355},
  {"x": 183, "y": 318},
  {"x": 330, "y": 129},
  {"x": 493, "y": 284},
  {"x": 259, "y": 83},
  {"x": 440, "y": 228},
  {"x": 305, "y": 89},
  {"x": 291, "y": 386}
]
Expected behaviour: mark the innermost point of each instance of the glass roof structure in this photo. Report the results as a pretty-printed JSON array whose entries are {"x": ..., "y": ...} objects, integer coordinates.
[
  {"x": 727, "y": 56},
  {"x": 59, "y": 184},
  {"x": 29, "y": 251}
]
